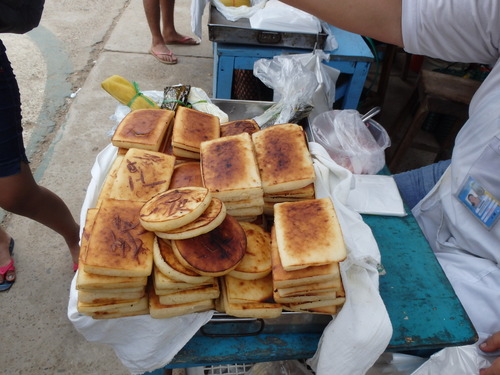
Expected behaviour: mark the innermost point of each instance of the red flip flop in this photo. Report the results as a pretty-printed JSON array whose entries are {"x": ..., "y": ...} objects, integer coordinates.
[
  {"x": 161, "y": 57},
  {"x": 6, "y": 284}
]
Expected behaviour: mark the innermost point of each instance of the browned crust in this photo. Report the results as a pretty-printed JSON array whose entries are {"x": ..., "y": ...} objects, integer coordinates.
[{"x": 217, "y": 251}]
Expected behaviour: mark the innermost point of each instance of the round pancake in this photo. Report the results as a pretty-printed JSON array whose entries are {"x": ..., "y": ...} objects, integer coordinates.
[
  {"x": 186, "y": 174},
  {"x": 215, "y": 253},
  {"x": 210, "y": 219},
  {"x": 168, "y": 264},
  {"x": 174, "y": 208},
  {"x": 256, "y": 263}
]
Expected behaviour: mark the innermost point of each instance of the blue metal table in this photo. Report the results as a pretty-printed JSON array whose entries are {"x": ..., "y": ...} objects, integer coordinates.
[
  {"x": 423, "y": 308},
  {"x": 352, "y": 58}
]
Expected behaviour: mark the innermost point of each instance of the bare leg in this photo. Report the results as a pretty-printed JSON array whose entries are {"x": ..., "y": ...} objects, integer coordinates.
[
  {"x": 20, "y": 194},
  {"x": 5, "y": 256},
  {"x": 170, "y": 34},
  {"x": 158, "y": 48}
]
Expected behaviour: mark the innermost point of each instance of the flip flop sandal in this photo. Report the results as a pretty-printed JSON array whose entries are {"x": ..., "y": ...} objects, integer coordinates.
[
  {"x": 158, "y": 56},
  {"x": 5, "y": 285},
  {"x": 75, "y": 267}
]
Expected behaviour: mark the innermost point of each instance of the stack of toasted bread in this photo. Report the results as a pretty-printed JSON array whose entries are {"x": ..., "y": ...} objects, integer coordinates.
[
  {"x": 143, "y": 128},
  {"x": 285, "y": 165},
  {"x": 306, "y": 255},
  {"x": 116, "y": 258},
  {"x": 229, "y": 170},
  {"x": 191, "y": 128}
]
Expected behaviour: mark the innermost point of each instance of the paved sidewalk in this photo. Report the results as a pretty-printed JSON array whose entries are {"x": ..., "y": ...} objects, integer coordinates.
[{"x": 36, "y": 335}]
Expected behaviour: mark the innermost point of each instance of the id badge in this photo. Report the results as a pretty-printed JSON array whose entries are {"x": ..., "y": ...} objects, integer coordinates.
[{"x": 480, "y": 202}]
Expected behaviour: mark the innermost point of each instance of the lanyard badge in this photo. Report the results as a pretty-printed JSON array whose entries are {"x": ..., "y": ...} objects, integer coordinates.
[{"x": 480, "y": 202}]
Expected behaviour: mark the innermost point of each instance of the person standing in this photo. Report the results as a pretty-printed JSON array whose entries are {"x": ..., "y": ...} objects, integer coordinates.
[
  {"x": 465, "y": 243},
  {"x": 19, "y": 192},
  {"x": 160, "y": 18}
]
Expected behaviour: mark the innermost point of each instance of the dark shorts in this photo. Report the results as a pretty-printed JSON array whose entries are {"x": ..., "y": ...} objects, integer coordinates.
[{"x": 12, "y": 151}]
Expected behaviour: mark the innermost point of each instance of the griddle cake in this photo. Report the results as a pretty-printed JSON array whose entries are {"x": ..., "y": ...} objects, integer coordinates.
[
  {"x": 283, "y": 158},
  {"x": 249, "y": 126},
  {"x": 142, "y": 174},
  {"x": 245, "y": 291},
  {"x": 174, "y": 208},
  {"x": 160, "y": 311},
  {"x": 118, "y": 245},
  {"x": 186, "y": 174},
  {"x": 110, "y": 180},
  {"x": 305, "y": 276},
  {"x": 256, "y": 262},
  {"x": 109, "y": 297},
  {"x": 210, "y": 219},
  {"x": 168, "y": 264},
  {"x": 252, "y": 309},
  {"x": 191, "y": 127},
  {"x": 143, "y": 128},
  {"x": 120, "y": 306},
  {"x": 202, "y": 293},
  {"x": 89, "y": 281},
  {"x": 308, "y": 234},
  {"x": 229, "y": 168},
  {"x": 215, "y": 253},
  {"x": 164, "y": 284}
]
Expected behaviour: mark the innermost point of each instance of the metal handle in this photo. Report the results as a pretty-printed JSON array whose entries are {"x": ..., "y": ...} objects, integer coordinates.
[
  {"x": 371, "y": 113},
  {"x": 205, "y": 329}
]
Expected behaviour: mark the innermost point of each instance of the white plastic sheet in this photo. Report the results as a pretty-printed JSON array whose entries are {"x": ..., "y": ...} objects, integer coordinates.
[{"x": 278, "y": 16}]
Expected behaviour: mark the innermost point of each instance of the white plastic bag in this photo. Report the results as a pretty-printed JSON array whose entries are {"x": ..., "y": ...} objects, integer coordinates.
[
  {"x": 349, "y": 141},
  {"x": 301, "y": 83},
  {"x": 278, "y": 16}
]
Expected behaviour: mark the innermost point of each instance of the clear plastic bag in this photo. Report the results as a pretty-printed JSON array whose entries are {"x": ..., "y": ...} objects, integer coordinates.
[
  {"x": 350, "y": 142},
  {"x": 301, "y": 82}
]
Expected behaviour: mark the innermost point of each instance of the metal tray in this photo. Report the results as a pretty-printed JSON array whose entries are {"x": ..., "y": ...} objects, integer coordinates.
[
  {"x": 223, "y": 325},
  {"x": 221, "y": 30}
]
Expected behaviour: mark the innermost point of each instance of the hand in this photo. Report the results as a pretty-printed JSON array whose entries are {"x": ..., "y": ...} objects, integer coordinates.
[{"x": 490, "y": 345}]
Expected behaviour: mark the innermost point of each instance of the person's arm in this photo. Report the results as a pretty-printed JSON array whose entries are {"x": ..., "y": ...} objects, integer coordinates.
[
  {"x": 492, "y": 344},
  {"x": 377, "y": 19}
]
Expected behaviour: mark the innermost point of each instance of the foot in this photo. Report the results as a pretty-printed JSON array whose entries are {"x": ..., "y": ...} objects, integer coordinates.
[
  {"x": 181, "y": 39},
  {"x": 163, "y": 54},
  {"x": 7, "y": 269}
]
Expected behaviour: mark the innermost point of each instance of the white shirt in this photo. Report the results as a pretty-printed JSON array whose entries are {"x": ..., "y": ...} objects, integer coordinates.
[{"x": 464, "y": 31}]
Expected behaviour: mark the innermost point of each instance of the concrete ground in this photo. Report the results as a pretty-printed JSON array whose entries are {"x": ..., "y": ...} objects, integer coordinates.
[{"x": 60, "y": 66}]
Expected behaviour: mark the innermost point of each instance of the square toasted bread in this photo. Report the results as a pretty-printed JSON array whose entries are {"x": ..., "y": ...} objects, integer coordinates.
[
  {"x": 308, "y": 234},
  {"x": 229, "y": 168},
  {"x": 283, "y": 158},
  {"x": 304, "y": 276},
  {"x": 191, "y": 127},
  {"x": 118, "y": 245},
  {"x": 143, "y": 128},
  {"x": 142, "y": 174}
]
